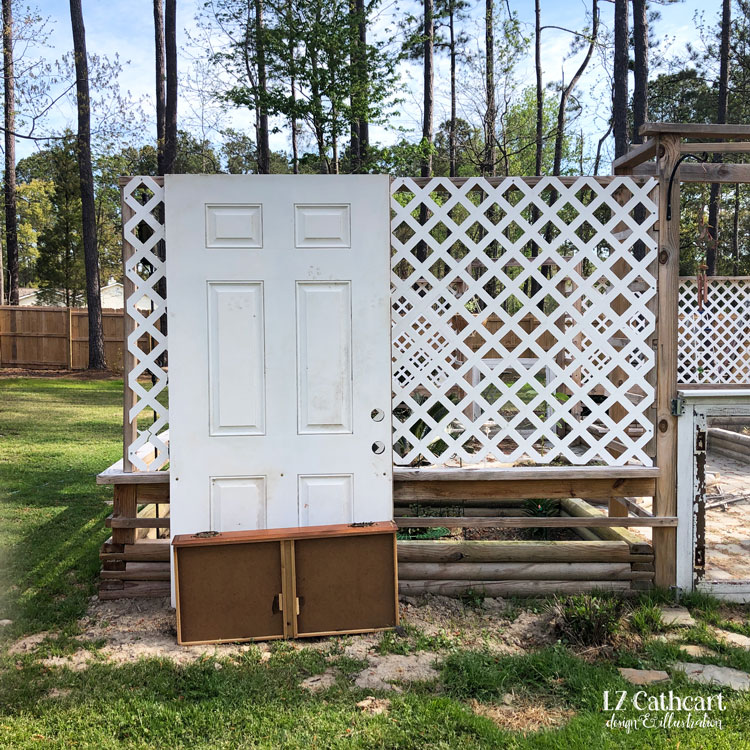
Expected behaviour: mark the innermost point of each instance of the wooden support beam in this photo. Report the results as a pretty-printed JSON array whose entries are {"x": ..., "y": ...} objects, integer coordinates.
[
  {"x": 665, "y": 500},
  {"x": 492, "y": 571},
  {"x": 512, "y": 551},
  {"x": 532, "y": 522},
  {"x": 636, "y": 155},
  {"x": 588, "y": 489},
  {"x": 508, "y": 588},
  {"x": 125, "y": 505},
  {"x": 721, "y": 172},
  {"x": 695, "y": 130},
  {"x": 139, "y": 522},
  {"x": 722, "y": 147}
]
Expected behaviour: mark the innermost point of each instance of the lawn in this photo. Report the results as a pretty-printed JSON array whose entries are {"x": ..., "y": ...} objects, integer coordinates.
[{"x": 56, "y": 434}]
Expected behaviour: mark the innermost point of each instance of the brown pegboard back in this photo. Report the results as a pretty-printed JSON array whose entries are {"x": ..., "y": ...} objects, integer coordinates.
[
  {"x": 345, "y": 583},
  {"x": 229, "y": 593}
]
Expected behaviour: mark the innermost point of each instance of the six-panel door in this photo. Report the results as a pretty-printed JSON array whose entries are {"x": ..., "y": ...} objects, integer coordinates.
[{"x": 279, "y": 350}]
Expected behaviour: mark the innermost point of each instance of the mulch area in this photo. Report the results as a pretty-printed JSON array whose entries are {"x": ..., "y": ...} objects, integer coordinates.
[{"x": 21, "y": 372}]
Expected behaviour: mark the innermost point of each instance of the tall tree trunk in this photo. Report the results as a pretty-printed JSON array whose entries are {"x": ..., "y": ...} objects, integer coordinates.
[
  {"x": 354, "y": 94},
  {"x": 620, "y": 79},
  {"x": 712, "y": 250},
  {"x": 97, "y": 359},
  {"x": 170, "y": 111},
  {"x": 364, "y": 125},
  {"x": 640, "y": 70},
  {"x": 160, "y": 82},
  {"x": 568, "y": 90},
  {"x": 539, "y": 90},
  {"x": 429, "y": 81},
  {"x": 11, "y": 220},
  {"x": 452, "y": 161},
  {"x": 490, "y": 117},
  {"x": 264, "y": 151}
]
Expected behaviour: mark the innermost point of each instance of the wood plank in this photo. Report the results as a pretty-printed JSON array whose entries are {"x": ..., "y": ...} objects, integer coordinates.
[
  {"x": 491, "y": 571},
  {"x": 580, "y": 509},
  {"x": 145, "y": 550},
  {"x": 139, "y": 522},
  {"x": 513, "y": 551},
  {"x": 715, "y": 148},
  {"x": 514, "y": 473},
  {"x": 129, "y": 428},
  {"x": 125, "y": 505},
  {"x": 139, "y": 572},
  {"x": 115, "y": 475},
  {"x": 507, "y": 588},
  {"x": 721, "y": 172},
  {"x": 137, "y": 590},
  {"x": 594, "y": 489},
  {"x": 696, "y": 130},
  {"x": 533, "y": 522},
  {"x": 637, "y": 155}
]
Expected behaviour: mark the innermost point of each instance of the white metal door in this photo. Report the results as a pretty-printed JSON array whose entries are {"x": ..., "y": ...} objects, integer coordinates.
[{"x": 279, "y": 350}]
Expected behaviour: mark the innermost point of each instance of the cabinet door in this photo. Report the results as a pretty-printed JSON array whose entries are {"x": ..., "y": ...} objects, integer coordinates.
[
  {"x": 345, "y": 584},
  {"x": 228, "y": 592}
]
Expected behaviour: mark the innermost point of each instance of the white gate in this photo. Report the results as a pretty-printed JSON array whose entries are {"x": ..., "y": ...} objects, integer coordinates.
[{"x": 279, "y": 351}]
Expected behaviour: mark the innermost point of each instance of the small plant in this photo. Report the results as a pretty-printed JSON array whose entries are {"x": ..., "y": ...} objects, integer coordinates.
[
  {"x": 588, "y": 619},
  {"x": 472, "y": 598},
  {"x": 541, "y": 509},
  {"x": 646, "y": 620}
]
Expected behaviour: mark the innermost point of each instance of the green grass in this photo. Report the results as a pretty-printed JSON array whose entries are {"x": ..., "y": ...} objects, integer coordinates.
[{"x": 55, "y": 435}]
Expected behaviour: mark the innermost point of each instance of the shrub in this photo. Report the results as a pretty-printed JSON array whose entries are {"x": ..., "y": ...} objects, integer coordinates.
[{"x": 588, "y": 619}]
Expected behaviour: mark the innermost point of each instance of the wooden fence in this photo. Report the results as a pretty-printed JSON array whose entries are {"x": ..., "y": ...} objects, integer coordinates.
[{"x": 56, "y": 337}]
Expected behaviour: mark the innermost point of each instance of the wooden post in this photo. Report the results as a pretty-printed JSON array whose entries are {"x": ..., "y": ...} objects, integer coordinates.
[
  {"x": 665, "y": 501},
  {"x": 125, "y": 506},
  {"x": 69, "y": 333}
]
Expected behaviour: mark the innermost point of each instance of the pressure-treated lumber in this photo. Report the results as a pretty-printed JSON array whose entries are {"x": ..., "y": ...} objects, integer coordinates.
[
  {"x": 582, "y": 510},
  {"x": 517, "y": 551},
  {"x": 515, "y": 571},
  {"x": 514, "y": 473},
  {"x": 714, "y": 147},
  {"x": 532, "y": 522},
  {"x": 137, "y": 590},
  {"x": 145, "y": 550},
  {"x": 508, "y": 588},
  {"x": 695, "y": 130},
  {"x": 125, "y": 505},
  {"x": 139, "y": 522},
  {"x": 714, "y": 172},
  {"x": 468, "y": 512},
  {"x": 139, "y": 571},
  {"x": 557, "y": 488},
  {"x": 637, "y": 155}
]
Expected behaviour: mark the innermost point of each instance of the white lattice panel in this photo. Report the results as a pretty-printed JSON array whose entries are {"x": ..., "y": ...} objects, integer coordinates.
[
  {"x": 522, "y": 320},
  {"x": 714, "y": 342},
  {"x": 146, "y": 380}
]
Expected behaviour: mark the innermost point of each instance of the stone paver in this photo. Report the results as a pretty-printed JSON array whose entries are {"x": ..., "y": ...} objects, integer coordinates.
[
  {"x": 698, "y": 651},
  {"x": 709, "y": 674},
  {"x": 643, "y": 676},
  {"x": 733, "y": 639},
  {"x": 677, "y": 617}
]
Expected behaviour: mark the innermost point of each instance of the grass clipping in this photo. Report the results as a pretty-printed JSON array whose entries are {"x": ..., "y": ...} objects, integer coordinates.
[{"x": 523, "y": 717}]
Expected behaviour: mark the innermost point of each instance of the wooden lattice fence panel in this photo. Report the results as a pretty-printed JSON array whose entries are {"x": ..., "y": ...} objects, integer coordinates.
[
  {"x": 145, "y": 417},
  {"x": 714, "y": 339},
  {"x": 523, "y": 320}
]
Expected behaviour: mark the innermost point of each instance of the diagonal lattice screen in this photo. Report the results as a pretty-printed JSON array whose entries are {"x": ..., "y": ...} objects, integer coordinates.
[
  {"x": 523, "y": 320},
  {"x": 145, "y": 304},
  {"x": 714, "y": 342}
]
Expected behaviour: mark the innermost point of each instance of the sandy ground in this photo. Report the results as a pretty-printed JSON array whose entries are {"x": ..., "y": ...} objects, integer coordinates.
[
  {"x": 728, "y": 531},
  {"x": 126, "y": 630}
]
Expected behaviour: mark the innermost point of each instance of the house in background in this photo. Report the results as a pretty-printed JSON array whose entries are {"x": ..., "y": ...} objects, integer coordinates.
[{"x": 112, "y": 295}]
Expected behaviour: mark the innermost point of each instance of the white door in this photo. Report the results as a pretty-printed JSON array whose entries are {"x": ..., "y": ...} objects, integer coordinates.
[{"x": 279, "y": 350}]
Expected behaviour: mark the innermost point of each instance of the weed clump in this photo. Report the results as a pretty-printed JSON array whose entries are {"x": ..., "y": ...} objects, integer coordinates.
[{"x": 588, "y": 619}]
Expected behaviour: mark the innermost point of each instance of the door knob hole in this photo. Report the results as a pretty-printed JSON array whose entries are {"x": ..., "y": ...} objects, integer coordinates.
[
  {"x": 377, "y": 415},
  {"x": 378, "y": 447}
]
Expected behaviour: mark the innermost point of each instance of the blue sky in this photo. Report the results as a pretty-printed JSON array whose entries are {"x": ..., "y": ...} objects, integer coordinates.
[{"x": 126, "y": 27}]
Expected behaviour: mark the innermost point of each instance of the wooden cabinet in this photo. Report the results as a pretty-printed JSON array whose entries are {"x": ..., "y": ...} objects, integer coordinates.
[{"x": 285, "y": 583}]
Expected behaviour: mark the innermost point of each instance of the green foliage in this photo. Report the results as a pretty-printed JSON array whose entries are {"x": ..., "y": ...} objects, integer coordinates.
[
  {"x": 646, "y": 620},
  {"x": 588, "y": 619}
]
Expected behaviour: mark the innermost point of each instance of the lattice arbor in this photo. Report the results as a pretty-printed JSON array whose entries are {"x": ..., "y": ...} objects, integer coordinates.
[
  {"x": 145, "y": 415},
  {"x": 523, "y": 320},
  {"x": 714, "y": 337}
]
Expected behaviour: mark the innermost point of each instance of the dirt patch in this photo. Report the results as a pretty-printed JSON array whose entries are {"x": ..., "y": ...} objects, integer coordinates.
[
  {"x": 524, "y": 717},
  {"x": 59, "y": 693},
  {"x": 374, "y": 706},
  {"x": 384, "y": 672},
  {"x": 28, "y": 644},
  {"x": 319, "y": 682}
]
